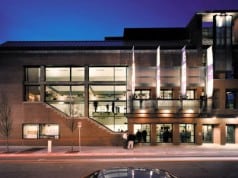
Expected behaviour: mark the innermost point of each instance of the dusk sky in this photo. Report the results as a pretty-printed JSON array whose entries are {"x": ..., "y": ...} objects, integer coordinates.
[{"x": 54, "y": 20}]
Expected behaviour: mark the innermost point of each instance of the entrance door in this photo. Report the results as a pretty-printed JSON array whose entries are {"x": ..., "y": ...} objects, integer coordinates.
[
  {"x": 142, "y": 132},
  {"x": 207, "y": 131},
  {"x": 230, "y": 134},
  {"x": 164, "y": 133},
  {"x": 186, "y": 133}
]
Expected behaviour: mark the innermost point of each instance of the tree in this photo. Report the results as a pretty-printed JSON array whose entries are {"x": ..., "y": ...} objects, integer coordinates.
[
  {"x": 72, "y": 122},
  {"x": 5, "y": 119}
]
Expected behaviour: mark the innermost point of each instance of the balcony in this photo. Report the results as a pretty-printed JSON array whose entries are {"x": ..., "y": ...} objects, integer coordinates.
[{"x": 169, "y": 107}]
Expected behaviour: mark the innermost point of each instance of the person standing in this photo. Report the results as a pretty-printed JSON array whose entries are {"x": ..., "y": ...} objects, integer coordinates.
[
  {"x": 124, "y": 138},
  {"x": 144, "y": 135},
  {"x": 131, "y": 140}
]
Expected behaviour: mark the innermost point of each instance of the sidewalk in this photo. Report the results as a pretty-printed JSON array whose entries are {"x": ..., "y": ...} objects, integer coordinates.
[{"x": 163, "y": 150}]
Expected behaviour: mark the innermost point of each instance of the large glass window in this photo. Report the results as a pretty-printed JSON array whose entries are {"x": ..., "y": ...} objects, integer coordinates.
[
  {"x": 107, "y": 96},
  {"x": 186, "y": 133},
  {"x": 68, "y": 99},
  {"x": 107, "y": 105}
]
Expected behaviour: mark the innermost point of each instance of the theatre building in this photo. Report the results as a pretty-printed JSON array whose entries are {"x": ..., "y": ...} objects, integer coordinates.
[{"x": 180, "y": 85}]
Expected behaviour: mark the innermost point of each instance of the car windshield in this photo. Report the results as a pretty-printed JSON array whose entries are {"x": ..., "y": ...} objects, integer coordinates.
[{"x": 131, "y": 173}]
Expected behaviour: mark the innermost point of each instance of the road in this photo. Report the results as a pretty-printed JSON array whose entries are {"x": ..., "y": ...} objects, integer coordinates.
[{"x": 72, "y": 167}]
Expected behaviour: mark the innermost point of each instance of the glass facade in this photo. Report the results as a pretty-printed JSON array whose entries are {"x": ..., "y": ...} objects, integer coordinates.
[
  {"x": 64, "y": 89},
  {"x": 108, "y": 96}
]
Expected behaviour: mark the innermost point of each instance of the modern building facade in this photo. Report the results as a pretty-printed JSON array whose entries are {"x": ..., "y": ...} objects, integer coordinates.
[{"x": 179, "y": 85}]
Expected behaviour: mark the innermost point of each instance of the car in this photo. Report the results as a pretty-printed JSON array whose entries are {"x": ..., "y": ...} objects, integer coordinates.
[{"x": 131, "y": 172}]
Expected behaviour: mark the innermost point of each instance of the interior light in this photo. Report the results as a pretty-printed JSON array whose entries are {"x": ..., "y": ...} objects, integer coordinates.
[
  {"x": 142, "y": 111},
  {"x": 189, "y": 111},
  {"x": 166, "y": 111}
]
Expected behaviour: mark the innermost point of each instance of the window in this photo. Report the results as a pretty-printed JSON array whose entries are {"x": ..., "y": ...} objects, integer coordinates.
[
  {"x": 77, "y": 73},
  {"x": 107, "y": 74},
  {"x": 107, "y": 96},
  {"x": 207, "y": 131},
  {"x": 190, "y": 94},
  {"x": 38, "y": 131},
  {"x": 32, "y": 93},
  {"x": 142, "y": 94},
  {"x": 49, "y": 131},
  {"x": 32, "y": 74},
  {"x": 68, "y": 99},
  {"x": 57, "y": 73},
  {"x": 166, "y": 94},
  {"x": 30, "y": 131},
  {"x": 230, "y": 99},
  {"x": 230, "y": 133}
]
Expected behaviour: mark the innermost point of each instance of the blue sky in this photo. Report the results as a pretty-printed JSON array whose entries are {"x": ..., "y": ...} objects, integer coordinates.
[{"x": 53, "y": 20}]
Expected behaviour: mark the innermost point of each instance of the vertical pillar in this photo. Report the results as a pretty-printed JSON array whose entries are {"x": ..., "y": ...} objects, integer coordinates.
[
  {"x": 236, "y": 134},
  {"x": 153, "y": 134},
  {"x": 49, "y": 146},
  {"x": 86, "y": 88},
  {"x": 198, "y": 134},
  {"x": 176, "y": 134},
  {"x": 223, "y": 133}
]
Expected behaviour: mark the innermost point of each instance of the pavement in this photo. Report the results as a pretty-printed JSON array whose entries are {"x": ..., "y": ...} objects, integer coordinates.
[{"x": 162, "y": 150}]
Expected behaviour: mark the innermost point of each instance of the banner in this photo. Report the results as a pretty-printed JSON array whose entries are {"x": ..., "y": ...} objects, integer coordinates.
[
  {"x": 158, "y": 72},
  {"x": 209, "y": 73},
  {"x": 183, "y": 83}
]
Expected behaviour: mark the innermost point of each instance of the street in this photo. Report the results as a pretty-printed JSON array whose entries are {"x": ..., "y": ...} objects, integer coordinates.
[{"x": 72, "y": 167}]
